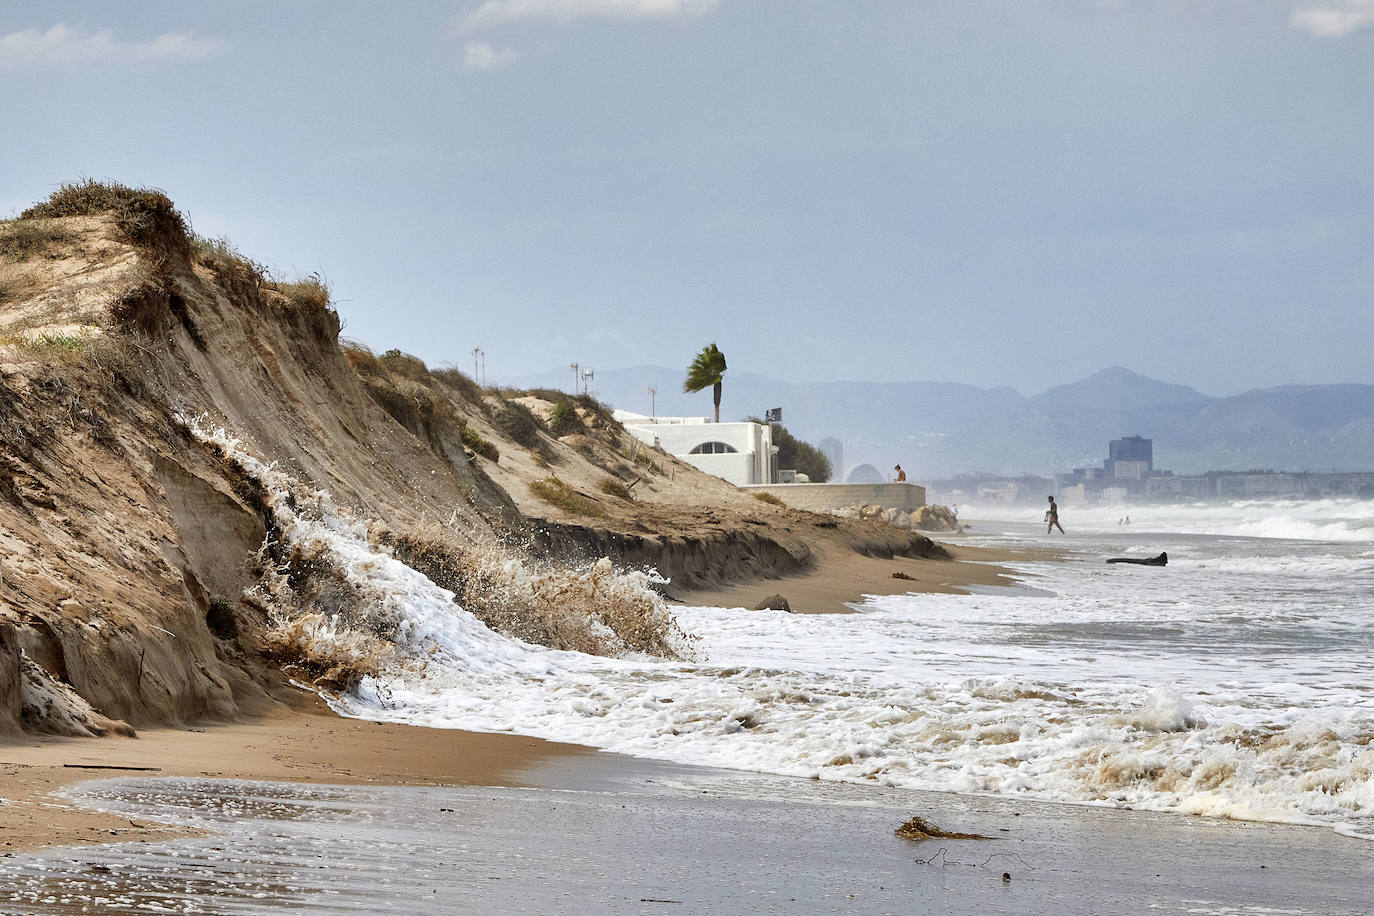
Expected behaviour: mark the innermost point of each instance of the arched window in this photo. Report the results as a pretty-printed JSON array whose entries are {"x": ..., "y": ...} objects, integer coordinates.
[{"x": 713, "y": 448}]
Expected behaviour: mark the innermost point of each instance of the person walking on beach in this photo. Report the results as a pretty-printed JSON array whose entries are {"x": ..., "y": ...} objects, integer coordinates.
[
  {"x": 901, "y": 475},
  {"x": 1052, "y": 516}
]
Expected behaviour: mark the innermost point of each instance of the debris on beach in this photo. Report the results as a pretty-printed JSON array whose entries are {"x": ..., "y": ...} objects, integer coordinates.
[
  {"x": 924, "y": 518},
  {"x": 1161, "y": 560},
  {"x": 918, "y": 828}
]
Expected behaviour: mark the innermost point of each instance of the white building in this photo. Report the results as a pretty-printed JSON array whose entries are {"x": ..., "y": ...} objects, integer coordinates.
[
  {"x": 1131, "y": 470},
  {"x": 741, "y": 453}
]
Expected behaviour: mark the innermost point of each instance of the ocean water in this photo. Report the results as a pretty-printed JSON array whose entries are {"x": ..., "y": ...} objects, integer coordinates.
[{"x": 1234, "y": 682}]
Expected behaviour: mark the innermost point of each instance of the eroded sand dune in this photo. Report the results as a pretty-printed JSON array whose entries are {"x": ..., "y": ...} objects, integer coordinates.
[{"x": 134, "y": 553}]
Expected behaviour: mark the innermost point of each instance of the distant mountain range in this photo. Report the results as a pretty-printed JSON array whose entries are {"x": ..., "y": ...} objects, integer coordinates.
[{"x": 939, "y": 429}]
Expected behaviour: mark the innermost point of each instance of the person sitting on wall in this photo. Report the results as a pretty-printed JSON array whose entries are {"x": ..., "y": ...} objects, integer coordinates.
[{"x": 901, "y": 475}]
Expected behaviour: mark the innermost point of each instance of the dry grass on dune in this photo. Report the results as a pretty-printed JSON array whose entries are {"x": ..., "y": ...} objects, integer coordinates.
[
  {"x": 594, "y": 609},
  {"x": 468, "y": 389},
  {"x": 519, "y": 424},
  {"x": 148, "y": 218},
  {"x": 23, "y": 239},
  {"x": 145, "y": 215},
  {"x": 558, "y": 493},
  {"x": 612, "y": 487},
  {"x": 415, "y": 396}
]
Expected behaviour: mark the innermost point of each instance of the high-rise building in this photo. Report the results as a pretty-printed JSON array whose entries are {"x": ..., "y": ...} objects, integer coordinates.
[
  {"x": 1131, "y": 458},
  {"x": 833, "y": 449},
  {"x": 1131, "y": 448}
]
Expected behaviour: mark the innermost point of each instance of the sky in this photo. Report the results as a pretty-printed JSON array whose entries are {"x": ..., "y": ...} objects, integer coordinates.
[{"x": 998, "y": 193}]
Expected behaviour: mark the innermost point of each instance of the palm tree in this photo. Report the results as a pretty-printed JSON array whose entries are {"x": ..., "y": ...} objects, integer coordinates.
[{"x": 706, "y": 369}]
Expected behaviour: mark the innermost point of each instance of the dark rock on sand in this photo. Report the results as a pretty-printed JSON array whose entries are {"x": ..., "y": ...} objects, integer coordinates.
[{"x": 1161, "y": 560}]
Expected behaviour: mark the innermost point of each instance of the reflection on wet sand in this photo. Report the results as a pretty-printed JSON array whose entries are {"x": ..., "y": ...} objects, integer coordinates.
[{"x": 712, "y": 843}]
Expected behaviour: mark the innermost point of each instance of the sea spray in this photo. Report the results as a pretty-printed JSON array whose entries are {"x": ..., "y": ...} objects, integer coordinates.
[
  {"x": 596, "y": 609},
  {"x": 361, "y": 611},
  {"x": 1173, "y": 698},
  {"x": 1334, "y": 519}
]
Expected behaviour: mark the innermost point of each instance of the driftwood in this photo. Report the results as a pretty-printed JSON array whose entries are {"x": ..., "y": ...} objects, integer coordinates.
[
  {"x": 1161, "y": 560},
  {"x": 918, "y": 828}
]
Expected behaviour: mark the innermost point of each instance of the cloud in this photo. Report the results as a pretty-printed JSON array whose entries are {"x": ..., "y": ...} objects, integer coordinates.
[
  {"x": 478, "y": 56},
  {"x": 505, "y": 12},
  {"x": 1334, "y": 19},
  {"x": 63, "y": 46}
]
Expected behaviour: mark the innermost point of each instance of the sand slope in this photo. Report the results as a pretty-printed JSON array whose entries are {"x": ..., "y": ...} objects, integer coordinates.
[{"x": 132, "y": 553}]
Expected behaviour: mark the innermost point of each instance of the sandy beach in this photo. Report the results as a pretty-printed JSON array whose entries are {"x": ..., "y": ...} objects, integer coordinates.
[
  {"x": 429, "y": 820},
  {"x": 310, "y": 743},
  {"x": 842, "y": 577},
  {"x": 503, "y": 823}
]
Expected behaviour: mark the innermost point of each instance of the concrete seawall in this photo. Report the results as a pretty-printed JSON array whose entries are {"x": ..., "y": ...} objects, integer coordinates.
[{"x": 821, "y": 497}]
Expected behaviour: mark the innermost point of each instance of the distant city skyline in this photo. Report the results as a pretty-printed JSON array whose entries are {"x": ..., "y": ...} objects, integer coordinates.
[
  {"x": 941, "y": 428},
  {"x": 984, "y": 192}
]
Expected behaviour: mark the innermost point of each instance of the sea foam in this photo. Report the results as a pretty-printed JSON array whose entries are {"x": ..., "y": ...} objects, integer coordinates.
[
  {"x": 1150, "y": 696},
  {"x": 1340, "y": 520}
]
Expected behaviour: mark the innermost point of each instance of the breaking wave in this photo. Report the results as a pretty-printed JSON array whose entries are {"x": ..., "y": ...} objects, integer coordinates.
[
  {"x": 1339, "y": 520},
  {"x": 361, "y": 611},
  {"x": 1054, "y": 698}
]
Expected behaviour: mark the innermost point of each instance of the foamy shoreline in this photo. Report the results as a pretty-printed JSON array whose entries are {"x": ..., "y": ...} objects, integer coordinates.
[
  {"x": 796, "y": 843},
  {"x": 315, "y": 744},
  {"x": 1083, "y": 843},
  {"x": 610, "y": 835}
]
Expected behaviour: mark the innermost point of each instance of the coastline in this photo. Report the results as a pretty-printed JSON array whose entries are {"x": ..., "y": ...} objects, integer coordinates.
[
  {"x": 843, "y": 577},
  {"x": 307, "y": 742},
  {"x": 599, "y": 832},
  {"x": 611, "y": 830},
  {"x": 756, "y": 831}
]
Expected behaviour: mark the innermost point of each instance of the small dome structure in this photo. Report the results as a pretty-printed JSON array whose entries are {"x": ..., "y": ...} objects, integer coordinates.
[{"x": 864, "y": 473}]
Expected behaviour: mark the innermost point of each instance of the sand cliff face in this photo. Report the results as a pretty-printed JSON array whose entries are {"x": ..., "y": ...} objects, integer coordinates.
[
  {"x": 127, "y": 545},
  {"x": 131, "y": 550}
]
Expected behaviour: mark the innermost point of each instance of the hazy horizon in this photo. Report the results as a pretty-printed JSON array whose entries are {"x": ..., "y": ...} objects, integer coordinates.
[
  {"x": 552, "y": 374},
  {"x": 938, "y": 428}
]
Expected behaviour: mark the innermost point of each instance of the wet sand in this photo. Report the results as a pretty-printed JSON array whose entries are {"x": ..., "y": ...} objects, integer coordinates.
[
  {"x": 435, "y": 820},
  {"x": 842, "y": 577},
  {"x": 373, "y": 817},
  {"x": 309, "y": 744},
  {"x": 662, "y": 838}
]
